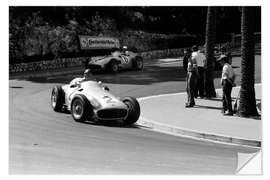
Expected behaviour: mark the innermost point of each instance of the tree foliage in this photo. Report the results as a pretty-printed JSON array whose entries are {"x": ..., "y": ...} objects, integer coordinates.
[{"x": 49, "y": 32}]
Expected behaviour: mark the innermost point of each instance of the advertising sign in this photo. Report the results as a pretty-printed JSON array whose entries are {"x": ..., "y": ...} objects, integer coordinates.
[{"x": 92, "y": 42}]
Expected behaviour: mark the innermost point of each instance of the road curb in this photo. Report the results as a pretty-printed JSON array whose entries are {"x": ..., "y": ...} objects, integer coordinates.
[{"x": 144, "y": 123}]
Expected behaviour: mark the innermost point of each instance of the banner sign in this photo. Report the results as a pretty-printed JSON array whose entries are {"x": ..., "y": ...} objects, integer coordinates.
[{"x": 93, "y": 42}]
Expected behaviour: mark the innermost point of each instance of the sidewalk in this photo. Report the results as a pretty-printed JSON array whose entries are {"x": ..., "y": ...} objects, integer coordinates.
[{"x": 167, "y": 113}]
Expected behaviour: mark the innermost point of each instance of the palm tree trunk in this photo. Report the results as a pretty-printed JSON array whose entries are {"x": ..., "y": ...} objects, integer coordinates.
[
  {"x": 247, "y": 103},
  {"x": 210, "y": 37}
]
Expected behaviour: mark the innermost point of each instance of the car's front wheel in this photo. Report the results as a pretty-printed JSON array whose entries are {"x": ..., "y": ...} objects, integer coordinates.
[
  {"x": 133, "y": 110},
  {"x": 113, "y": 66},
  {"x": 81, "y": 108},
  {"x": 138, "y": 63},
  {"x": 57, "y": 98}
]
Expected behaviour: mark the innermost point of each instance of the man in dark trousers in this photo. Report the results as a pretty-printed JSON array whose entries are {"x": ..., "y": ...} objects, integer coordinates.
[
  {"x": 200, "y": 59},
  {"x": 227, "y": 82},
  {"x": 192, "y": 76}
]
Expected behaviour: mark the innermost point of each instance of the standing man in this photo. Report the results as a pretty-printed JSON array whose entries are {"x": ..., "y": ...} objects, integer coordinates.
[
  {"x": 192, "y": 75},
  {"x": 227, "y": 82},
  {"x": 200, "y": 59},
  {"x": 187, "y": 54}
]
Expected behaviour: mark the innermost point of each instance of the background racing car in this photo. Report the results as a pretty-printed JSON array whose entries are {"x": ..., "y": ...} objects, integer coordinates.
[
  {"x": 89, "y": 100},
  {"x": 118, "y": 59}
]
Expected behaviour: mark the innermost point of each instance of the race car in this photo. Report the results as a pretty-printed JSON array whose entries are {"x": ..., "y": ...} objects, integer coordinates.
[
  {"x": 89, "y": 100},
  {"x": 119, "y": 59}
]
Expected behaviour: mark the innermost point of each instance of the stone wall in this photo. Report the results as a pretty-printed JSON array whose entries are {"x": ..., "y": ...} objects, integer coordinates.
[{"x": 78, "y": 61}]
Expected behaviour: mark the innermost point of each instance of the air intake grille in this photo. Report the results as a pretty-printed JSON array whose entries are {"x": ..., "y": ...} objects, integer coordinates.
[{"x": 112, "y": 113}]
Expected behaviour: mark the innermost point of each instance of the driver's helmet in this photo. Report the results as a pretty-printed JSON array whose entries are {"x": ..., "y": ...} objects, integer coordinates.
[
  {"x": 124, "y": 48},
  {"x": 87, "y": 74}
]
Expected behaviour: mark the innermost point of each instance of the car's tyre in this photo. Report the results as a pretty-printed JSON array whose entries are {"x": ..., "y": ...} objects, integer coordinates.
[
  {"x": 113, "y": 66},
  {"x": 134, "y": 110},
  {"x": 57, "y": 98},
  {"x": 81, "y": 109},
  {"x": 138, "y": 63}
]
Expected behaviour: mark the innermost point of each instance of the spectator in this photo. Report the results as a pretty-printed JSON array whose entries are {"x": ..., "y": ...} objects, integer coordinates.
[
  {"x": 200, "y": 59},
  {"x": 187, "y": 55},
  {"x": 192, "y": 75},
  {"x": 224, "y": 52},
  {"x": 227, "y": 82}
]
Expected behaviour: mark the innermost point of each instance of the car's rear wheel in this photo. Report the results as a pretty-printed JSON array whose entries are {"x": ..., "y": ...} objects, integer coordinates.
[
  {"x": 57, "y": 98},
  {"x": 133, "y": 110},
  {"x": 138, "y": 63},
  {"x": 113, "y": 66},
  {"x": 81, "y": 109}
]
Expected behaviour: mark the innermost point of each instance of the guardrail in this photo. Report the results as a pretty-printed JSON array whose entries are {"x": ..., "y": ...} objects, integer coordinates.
[{"x": 79, "y": 61}]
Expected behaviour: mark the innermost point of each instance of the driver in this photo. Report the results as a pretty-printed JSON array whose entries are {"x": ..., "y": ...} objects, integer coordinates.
[
  {"x": 125, "y": 50},
  {"x": 87, "y": 76}
]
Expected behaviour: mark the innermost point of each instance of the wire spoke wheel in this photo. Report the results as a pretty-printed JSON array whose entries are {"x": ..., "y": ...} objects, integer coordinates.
[
  {"x": 139, "y": 64},
  {"x": 77, "y": 108},
  {"x": 81, "y": 109},
  {"x": 115, "y": 67},
  {"x": 53, "y": 98}
]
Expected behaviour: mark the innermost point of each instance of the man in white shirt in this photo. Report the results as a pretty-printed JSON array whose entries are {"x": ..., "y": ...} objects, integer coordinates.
[
  {"x": 200, "y": 59},
  {"x": 227, "y": 82},
  {"x": 192, "y": 75}
]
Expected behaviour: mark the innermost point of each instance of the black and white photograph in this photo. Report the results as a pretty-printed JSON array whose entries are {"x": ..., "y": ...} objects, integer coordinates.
[{"x": 135, "y": 90}]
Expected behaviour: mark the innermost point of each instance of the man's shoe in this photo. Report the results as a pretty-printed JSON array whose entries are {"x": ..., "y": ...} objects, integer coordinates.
[
  {"x": 228, "y": 114},
  {"x": 189, "y": 105}
]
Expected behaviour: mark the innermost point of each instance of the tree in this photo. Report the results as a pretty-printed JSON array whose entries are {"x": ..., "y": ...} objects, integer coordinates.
[
  {"x": 247, "y": 103},
  {"x": 209, "y": 49}
]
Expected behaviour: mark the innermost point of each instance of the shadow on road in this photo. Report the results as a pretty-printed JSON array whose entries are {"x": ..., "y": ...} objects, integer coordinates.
[
  {"x": 110, "y": 124},
  {"x": 208, "y": 107},
  {"x": 16, "y": 87}
]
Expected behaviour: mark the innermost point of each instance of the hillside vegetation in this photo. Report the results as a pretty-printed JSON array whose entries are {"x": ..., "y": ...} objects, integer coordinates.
[{"x": 45, "y": 33}]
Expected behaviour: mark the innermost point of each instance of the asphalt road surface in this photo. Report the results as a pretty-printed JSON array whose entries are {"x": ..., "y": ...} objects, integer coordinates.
[{"x": 42, "y": 141}]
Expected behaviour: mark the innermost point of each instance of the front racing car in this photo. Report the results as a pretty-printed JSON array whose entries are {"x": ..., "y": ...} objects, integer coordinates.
[{"x": 91, "y": 101}]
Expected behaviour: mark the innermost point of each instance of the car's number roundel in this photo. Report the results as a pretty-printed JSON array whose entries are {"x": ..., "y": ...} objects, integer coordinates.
[{"x": 125, "y": 59}]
